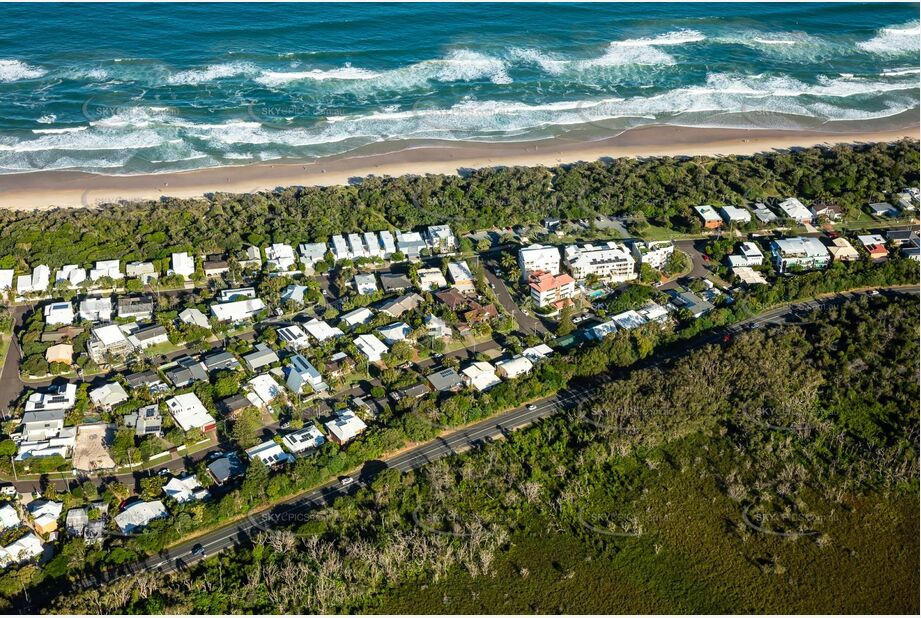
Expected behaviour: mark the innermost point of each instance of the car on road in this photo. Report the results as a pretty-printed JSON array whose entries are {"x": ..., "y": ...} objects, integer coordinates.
[
  {"x": 198, "y": 550},
  {"x": 532, "y": 407},
  {"x": 345, "y": 481}
]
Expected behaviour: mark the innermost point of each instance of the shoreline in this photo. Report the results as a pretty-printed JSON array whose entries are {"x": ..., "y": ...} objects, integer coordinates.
[{"x": 45, "y": 190}]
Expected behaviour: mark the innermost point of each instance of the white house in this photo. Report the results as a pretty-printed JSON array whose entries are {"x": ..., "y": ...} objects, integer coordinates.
[
  {"x": 361, "y": 315},
  {"x": 9, "y": 518},
  {"x": 301, "y": 372},
  {"x": 269, "y": 453},
  {"x": 294, "y": 336},
  {"x": 480, "y": 375},
  {"x": 410, "y": 244},
  {"x": 185, "y": 489},
  {"x": 236, "y": 294},
  {"x": 461, "y": 277},
  {"x": 514, "y": 367},
  {"x": 183, "y": 264},
  {"x": 61, "y": 397},
  {"x": 311, "y": 253},
  {"x": 345, "y": 427},
  {"x": 388, "y": 243},
  {"x": 237, "y": 311},
  {"x": 539, "y": 258},
  {"x": 194, "y": 316},
  {"x": 6, "y": 280},
  {"x": 304, "y": 440},
  {"x": 281, "y": 256},
  {"x": 21, "y": 550},
  {"x": 440, "y": 238},
  {"x": 144, "y": 271},
  {"x": 96, "y": 309},
  {"x": 372, "y": 347},
  {"x": 373, "y": 245},
  {"x": 734, "y": 214},
  {"x": 72, "y": 274},
  {"x": 108, "y": 341},
  {"x": 610, "y": 261},
  {"x": 59, "y": 313},
  {"x": 339, "y": 248},
  {"x": 36, "y": 282},
  {"x": 655, "y": 253},
  {"x": 792, "y": 208},
  {"x": 321, "y": 331},
  {"x": 262, "y": 390},
  {"x": 398, "y": 331},
  {"x": 365, "y": 284},
  {"x": 431, "y": 279},
  {"x": 139, "y": 514},
  {"x": 709, "y": 216},
  {"x": 107, "y": 268},
  {"x": 108, "y": 395},
  {"x": 190, "y": 413},
  {"x": 799, "y": 251},
  {"x": 749, "y": 255}
]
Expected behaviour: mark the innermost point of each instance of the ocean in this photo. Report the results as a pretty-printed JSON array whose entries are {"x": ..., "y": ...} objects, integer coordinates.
[{"x": 130, "y": 89}]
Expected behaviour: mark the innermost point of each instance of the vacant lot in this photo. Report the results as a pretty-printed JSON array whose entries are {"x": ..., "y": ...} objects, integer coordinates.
[{"x": 91, "y": 450}]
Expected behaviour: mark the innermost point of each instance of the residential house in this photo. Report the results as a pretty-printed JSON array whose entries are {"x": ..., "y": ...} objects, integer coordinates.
[
  {"x": 145, "y": 379},
  {"x": 108, "y": 342},
  {"x": 691, "y": 302},
  {"x": 883, "y": 209},
  {"x": 6, "y": 280},
  {"x": 311, "y": 253},
  {"x": 440, "y": 239},
  {"x": 261, "y": 356},
  {"x": 537, "y": 353},
  {"x": 828, "y": 210},
  {"x": 269, "y": 453},
  {"x": 144, "y": 271},
  {"x": 55, "y": 397},
  {"x": 842, "y": 250},
  {"x": 9, "y": 517},
  {"x": 748, "y": 275},
  {"x": 901, "y": 238},
  {"x": 252, "y": 256},
  {"x": 345, "y": 427},
  {"x": 107, "y": 268},
  {"x": 480, "y": 375},
  {"x": 45, "y": 515},
  {"x": 183, "y": 265},
  {"x": 480, "y": 313},
  {"x": 281, "y": 256},
  {"x": 59, "y": 313},
  {"x": 338, "y": 365},
  {"x": 108, "y": 395},
  {"x": 36, "y": 282},
  {"x": 236, "y": 294},
  {"x": 514, "y": 367},
  {"x": 304, "y": 440},
  {"x": 22, "y": 550},
  {"x": 793, "y": 209},
  {"x": 294, "y": 337},
  {"x": 76, "y": 521},
  {"x": 186, "y": 371},
  {"x": 135, "y": 308},
  {"x": 365, "y": 284},
  {"x": 262, "y": 390},
  {"x": 373, "y": 245},
  {"x": 226, "y": 468},
  {"x": 321, "y": 331},
  {"x": 232, "y": 405},
  {"x": 653, "y": 312},
  {"x": 749, "y": 255},
  {"x": 215, "y": 267},
  {"x": 71, "y": 274},
  {"x": 184, "y": 489},
  {"x": 552, "y": 290},
  {"x": 388, "y": 244},
  {"x": 398, "y": 331},
  {"x": 340, "y": 248},
  {"x": 436, "y": 327},
  {"x": 149, "y": 336},
  {"x": 461, "y": 277},
  {"x": 431, "y": 279},
  {"x": 410, "y": 244},
  {"x": 392, "y": 282},
  {"x": 61, "y": 353},
  {"x": 221, "y": 361},
  {"x": 190, "y": 413},
  {"x": 138, "y": 515},
  {"x": 301, "y": 372},
  {"x": 294, "y": 294},
  {"x": 96, "y": 309},
  {"x": 362, "y": 315},
  {"x": 875, "y": 245},
  {"x": 357, "y": 247},
  {"x": 400, "y": 305},
  {"x": 733, "y": 215},
  {"x": 539, "y": 258},
  {"x": 799, "y": 252},
  {"x": 610, "y": 261},
  {"x": 709, "y": 216},
  {"x": 146, "y": 421},
  {"x": 237, "y": 311},
  {"x": 655, "y": 253},
  {"x": 372, "y": 347},
  {"x": 452, "y": 299},
  {"x": 416, "y": 391},
  {"x": 445, "y": 380},
  {"x": 195, "y": 317}
]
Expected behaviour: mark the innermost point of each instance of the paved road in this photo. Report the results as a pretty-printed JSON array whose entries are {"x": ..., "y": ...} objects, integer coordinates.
[
  {"x": 10, "y": 384},
  {"x": 293, "y": 510},
  {"x": 528, "y": 323}
]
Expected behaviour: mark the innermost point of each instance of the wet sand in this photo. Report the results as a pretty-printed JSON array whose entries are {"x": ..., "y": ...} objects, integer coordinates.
[{"x": 50, "y": 189}]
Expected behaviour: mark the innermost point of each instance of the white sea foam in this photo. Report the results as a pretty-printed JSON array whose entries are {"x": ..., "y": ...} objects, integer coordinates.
[
  {"x": 211, "y": 73},
  {"x": 15, "y": 70},
  {"x": 675, "y": 37},
  {"x": 899, "y": 72},
  {"x": 47, "y": 119},
  {"x": 62, "y": 130},
  {"x": 278, "y": 78},
  {"x": 894, "y": 40},
  {"x": 794, "y": 46}
]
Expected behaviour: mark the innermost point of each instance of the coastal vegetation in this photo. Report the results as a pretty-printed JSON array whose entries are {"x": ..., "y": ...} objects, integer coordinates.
[
  {"x": 776, "y": 472},
  {"x": 658, "y": 192}
]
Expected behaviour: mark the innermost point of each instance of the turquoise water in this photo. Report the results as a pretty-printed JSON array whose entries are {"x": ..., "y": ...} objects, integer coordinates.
[{"x": 136, "y": 88}]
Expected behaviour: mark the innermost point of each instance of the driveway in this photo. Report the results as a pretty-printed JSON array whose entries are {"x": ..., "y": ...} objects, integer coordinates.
[
  {"x": 10, "y": 384},
  {"x": 528, "y": 324}
]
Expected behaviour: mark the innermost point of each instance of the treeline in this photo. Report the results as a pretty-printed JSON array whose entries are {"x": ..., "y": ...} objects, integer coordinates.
[
  {"x": 788, "y": 422},
  {"x": 664, "y": 190}
]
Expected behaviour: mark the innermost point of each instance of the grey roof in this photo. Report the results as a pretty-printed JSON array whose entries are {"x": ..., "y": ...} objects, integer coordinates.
[
  {"x": 221, "y": 360},
  {"x": 149, "y": 332},
  {"x": 226, "y": 468},
  {"x": 445, "y": 380},
  {"x": 142, "y": 378},
  {"x": 394, "y": 282},
  {"x": 43, "y": 416},
  {"x": 400, "y": 305},
  {"x": 134, "y": 305},
  {"x": 234, "y": 403},
  {"x": 188, "y": 370},
  {"x": 262, "y": 356}
]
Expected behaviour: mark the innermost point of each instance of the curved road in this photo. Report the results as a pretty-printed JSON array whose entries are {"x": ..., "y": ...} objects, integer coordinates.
[{"x": 293, "y": 510}]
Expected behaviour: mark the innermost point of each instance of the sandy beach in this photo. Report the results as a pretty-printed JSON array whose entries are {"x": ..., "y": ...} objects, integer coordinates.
[{"x": 51, "y": 189}]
